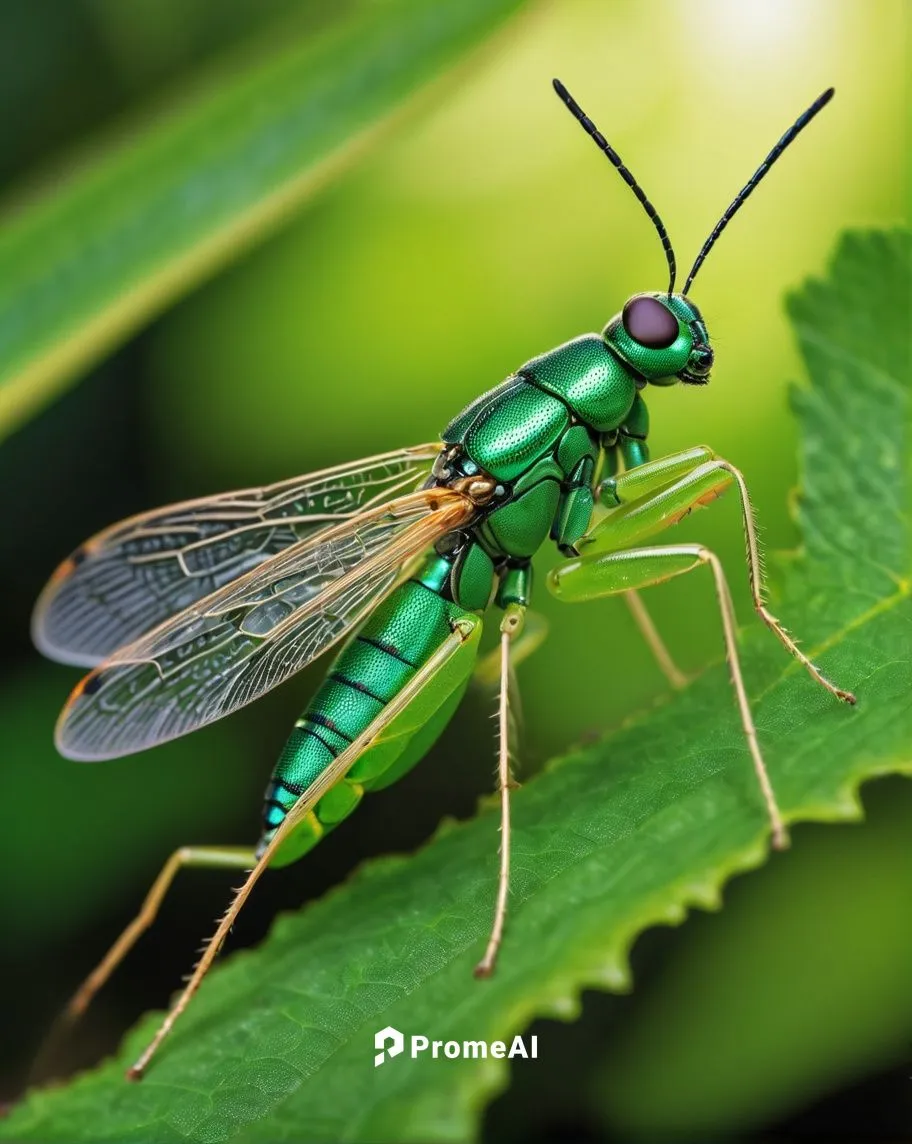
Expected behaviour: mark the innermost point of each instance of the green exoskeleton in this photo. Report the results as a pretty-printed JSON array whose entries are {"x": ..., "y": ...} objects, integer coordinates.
[{"x": 189, "y": 612}]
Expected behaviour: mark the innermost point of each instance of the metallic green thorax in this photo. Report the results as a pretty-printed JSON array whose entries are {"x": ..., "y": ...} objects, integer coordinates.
[{"x": 540, "y": 436}]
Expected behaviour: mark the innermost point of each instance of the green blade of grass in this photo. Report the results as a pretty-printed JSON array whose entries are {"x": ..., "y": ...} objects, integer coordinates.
[{"x": 88, "y": 262}]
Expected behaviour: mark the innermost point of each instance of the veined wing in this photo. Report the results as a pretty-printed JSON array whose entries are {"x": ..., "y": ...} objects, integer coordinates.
[
  {"x": 250, "y": 635},
  {"x": 132, "y": 576}
]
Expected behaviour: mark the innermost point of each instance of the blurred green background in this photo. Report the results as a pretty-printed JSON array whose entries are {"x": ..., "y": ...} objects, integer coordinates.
[{"x": 482, "y": 231}]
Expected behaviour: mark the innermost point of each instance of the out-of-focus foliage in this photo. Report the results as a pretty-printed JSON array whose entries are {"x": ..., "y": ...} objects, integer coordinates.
[
  {"x": 801, "y": 982},
  {"x": 94, "y": 824},
  {"x": 163, "y": 206},
  {"x": 628, "y": 832}
]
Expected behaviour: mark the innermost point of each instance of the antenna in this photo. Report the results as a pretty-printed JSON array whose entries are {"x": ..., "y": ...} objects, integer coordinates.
[
  {"x": 614, "y": 158},
  {"x": 789, "y": 137}
]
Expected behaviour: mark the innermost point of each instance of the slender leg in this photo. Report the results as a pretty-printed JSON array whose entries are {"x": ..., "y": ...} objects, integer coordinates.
[
  {"x": 650, "y": 634},
  {"x": 613, "y": 572},
  {"x": 465, "y": 631},
  {"x": 206, "y": 857},
  {"x": 646, "y": 502},
  {"x": 532, "y": 635},
  {"x": 755, "y": 574},
  {"x": 635, "y": 484},
  {"x": 535, "y": 630},
  {"x": 510, "y": 628}
]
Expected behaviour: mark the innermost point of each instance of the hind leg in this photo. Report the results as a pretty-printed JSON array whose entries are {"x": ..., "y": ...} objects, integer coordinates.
[{"x": 199, "y": 857}]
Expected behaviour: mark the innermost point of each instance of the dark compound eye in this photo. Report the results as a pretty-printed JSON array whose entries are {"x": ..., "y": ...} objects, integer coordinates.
[{"x": 650, "y": 323}]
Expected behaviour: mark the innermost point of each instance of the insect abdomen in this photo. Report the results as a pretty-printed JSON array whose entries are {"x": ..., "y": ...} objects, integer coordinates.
[{"x": 370, "y": 670}]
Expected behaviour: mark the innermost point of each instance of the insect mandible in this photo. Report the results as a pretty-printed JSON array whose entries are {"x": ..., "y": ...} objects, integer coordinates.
[{"x": 189, "y": 612}]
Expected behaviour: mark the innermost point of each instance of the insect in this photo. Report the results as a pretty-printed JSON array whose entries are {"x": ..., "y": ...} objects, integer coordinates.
[{"x": 187, "y": 613}]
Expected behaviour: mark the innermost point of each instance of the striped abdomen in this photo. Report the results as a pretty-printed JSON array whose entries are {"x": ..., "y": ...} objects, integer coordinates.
[{"x": 369, "y": 671}]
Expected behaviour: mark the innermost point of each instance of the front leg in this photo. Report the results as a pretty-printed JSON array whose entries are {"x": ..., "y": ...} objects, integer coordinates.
[
  {"x": 629, "y": 452},
  {"x": 650, "y": 498},
  {"x": 647, "y": 500},
  {"x": 609, "y": 573}
]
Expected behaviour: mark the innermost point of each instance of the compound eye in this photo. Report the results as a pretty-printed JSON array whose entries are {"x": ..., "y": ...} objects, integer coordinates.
[{"x": 650, "y": 323}]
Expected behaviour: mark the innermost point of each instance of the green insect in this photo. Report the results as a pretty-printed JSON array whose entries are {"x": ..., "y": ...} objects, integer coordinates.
[{"x": 189, "y": 612}]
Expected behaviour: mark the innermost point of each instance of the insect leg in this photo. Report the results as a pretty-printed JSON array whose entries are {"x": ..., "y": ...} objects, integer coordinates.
[
  {"x": 608, "y": 573},
  {"x": 647, "y": 502},
  {"x": 652, "y": 497},
  {"x": 654, "y": 641},
  {"x": 533, "y": 634},
  {"x": 205, "y": 857},
  {"x": 463, "y": 637},
  {"x": 635, "y": 484},
  {"x": 755, "y": 574},
  {"x": 510, "y": 629}
]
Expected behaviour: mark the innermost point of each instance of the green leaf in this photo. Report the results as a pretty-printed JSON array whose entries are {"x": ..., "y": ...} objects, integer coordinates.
[
  {"x": 795, "y": 994},
  {"x": 166, "y": 204},
  {"x": 617, "y": 836}
]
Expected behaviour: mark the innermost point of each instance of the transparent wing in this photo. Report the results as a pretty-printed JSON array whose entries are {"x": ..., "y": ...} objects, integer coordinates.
[
  {"x": 129, "y": 578},
  {"x": 250, "y": 635}
]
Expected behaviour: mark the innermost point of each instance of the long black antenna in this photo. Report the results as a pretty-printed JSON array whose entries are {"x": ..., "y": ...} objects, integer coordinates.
[
  {"x": 603, "y": 145},
  {"x": 789, "y": 137}
]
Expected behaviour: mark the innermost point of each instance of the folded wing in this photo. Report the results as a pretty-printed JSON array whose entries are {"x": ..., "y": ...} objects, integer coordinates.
[
  {"x": 250, "y": 635},
  {"x": 131, "y": 577}
]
